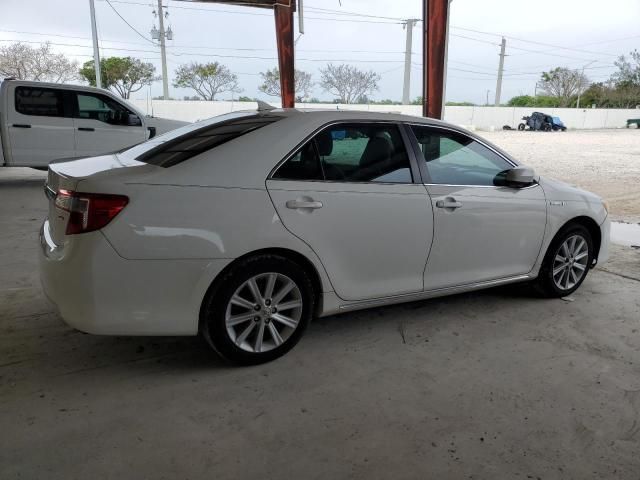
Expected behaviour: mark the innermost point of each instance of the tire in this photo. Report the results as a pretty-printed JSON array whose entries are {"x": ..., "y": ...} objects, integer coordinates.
[
  {"x": 521, "y": 127},
  {"x": 565, "y": 282},
  {"x": 546, "y": 127},
  {"x": 252, "y": 330}
]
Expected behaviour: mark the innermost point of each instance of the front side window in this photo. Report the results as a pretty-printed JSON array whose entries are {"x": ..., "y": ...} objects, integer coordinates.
[
  {"x": 104, "y": 109},
  {"x": 456, "y": 159},
  {"x": 46, "y": 102},
  {"x": 351, "y": 153}
]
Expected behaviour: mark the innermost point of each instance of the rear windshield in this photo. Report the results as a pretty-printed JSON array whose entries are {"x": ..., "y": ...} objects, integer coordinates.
[{"x": 186, "y": 142}]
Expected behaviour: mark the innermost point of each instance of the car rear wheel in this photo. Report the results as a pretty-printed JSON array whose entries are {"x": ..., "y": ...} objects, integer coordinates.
[
  {"x": 259, "y": 310},
  {"x": 566, "y": 262}
]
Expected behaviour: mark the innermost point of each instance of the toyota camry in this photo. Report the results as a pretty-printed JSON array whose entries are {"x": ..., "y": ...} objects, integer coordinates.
[{"x": 244, "y": 227}]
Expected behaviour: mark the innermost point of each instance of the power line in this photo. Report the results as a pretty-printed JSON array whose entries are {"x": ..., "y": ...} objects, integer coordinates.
[{"x": 128, "y": 24}]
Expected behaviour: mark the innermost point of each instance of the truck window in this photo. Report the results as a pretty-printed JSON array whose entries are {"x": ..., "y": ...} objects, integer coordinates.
[
  {"x": 102, "y": 108},
  {"x": 46, "y": 102}
]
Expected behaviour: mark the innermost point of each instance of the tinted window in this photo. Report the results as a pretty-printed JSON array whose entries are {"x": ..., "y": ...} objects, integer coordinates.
[
  {"x": 197, "y": 141},
  {"x": 39, "y": 101},
  {"x": 456, "y": 159},
  {"x": 104, "y": 109},
  {"x": 351, "y": 153}
]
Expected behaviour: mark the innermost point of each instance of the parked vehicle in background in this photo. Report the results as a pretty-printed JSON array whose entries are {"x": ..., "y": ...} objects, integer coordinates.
[
  {"x": 542, "y": 122},
  {"x": 41, "y": 122},
  {"x": 633, "y": 121},
  {"x": 245, "y": 226}
]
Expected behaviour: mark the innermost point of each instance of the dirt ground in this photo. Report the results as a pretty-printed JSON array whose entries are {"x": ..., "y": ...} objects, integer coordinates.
[{"x": 606, "y": 162}]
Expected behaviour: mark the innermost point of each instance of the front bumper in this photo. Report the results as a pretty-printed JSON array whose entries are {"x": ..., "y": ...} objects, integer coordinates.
[{"x": 97, "y": 291}]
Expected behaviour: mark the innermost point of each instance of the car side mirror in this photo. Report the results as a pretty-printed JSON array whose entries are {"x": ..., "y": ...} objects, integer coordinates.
[
  {"x": 519, "y": 177},
  {"x": 133, "y": 120}
]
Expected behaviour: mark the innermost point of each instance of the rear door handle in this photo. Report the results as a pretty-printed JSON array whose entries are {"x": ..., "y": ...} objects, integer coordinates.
[
  {"x": 21, "y": 125},
  {"x": 303, "y": 204},
  {"x": 448, "y": 203},
  {"x": 86, "y": 129}
]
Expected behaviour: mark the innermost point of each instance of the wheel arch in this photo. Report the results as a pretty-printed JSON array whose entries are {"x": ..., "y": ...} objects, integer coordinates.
[
  {"x": 297, "y": 257},
  {"x": 592, "y": 227}
]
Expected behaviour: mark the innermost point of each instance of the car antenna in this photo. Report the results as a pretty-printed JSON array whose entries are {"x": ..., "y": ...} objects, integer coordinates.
[{"x": 264, "y": 106}]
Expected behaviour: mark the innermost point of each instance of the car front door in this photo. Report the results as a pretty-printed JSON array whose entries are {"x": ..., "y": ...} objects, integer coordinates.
[
  {"x": 349, "y": 193},
  {"x": 40, "y": 126},
  {"x": 483, "y": 230},
  {"x": 103, "y": 125}
]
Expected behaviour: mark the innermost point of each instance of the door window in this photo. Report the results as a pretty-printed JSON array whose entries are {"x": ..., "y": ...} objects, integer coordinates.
[
  {"x": 102, "y": 108},
  {"x": 351, "y": 153},
  {"x": 456, "y": 159},
  {"x": 45, "y": 102}
]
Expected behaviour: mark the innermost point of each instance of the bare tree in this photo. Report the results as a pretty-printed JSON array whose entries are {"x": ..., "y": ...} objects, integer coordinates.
[
  {"x": 36, "y": 63},
  {"x": 348, "y": 83},
  {"x": 207, "y": 79},
  {"x": 564, "y": 84},
  {"x": 271, "y": 83}
]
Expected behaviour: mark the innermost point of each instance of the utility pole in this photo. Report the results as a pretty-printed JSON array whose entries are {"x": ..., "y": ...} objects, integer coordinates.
[
  {"x": 580, "y": 82},
  {"x": 163, "y": 53},
  {"x": 406, "y": 86},
  {"x": 503, "y": 45},
  {"x": 96, "y": 52}
]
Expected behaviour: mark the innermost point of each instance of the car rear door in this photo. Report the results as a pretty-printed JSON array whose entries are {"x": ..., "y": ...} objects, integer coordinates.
[
  {"x": 103, "y": 125},
  {"x": 40, "y": 127},
  {"x": 482, "y": 230},
  {"x": 349, "y": 193}
]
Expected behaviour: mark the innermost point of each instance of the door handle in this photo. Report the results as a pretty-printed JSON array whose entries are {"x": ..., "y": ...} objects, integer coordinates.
[
  {"x": 86, "y": 129},
  {"x": 303, "y": 204},
  {"x": 21, "y": 125},
  {"x": 448, "y": 203}
]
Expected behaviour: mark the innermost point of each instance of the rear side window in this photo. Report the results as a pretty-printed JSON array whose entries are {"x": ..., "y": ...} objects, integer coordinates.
[
  {"x": 46, "y": 102},
  {"x": 190, "y": 144}
]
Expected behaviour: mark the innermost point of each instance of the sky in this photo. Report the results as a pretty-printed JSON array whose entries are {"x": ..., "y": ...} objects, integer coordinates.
[{"x": 370, "y": 34}]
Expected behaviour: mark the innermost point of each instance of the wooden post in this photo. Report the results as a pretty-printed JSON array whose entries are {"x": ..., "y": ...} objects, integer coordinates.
[
  {"x": 284, "y": 38},
  {"x": 435, "y": 24}
]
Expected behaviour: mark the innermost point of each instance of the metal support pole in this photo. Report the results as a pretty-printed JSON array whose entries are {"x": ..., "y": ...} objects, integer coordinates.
[
  {"x": 406, "y": 86},
  {"x": 435, "y": 39},
  {"x": 163, "y": 54},
  {"x": 503, "y": 45},
  {"x": 284, "y": 35},
  {"x": 96, "y": 51}
]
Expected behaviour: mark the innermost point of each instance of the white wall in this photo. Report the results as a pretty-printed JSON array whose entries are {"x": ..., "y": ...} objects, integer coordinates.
[{"x": 481, "y": 118}]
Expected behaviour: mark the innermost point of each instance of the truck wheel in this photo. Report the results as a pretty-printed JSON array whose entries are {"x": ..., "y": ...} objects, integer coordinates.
[{"x": 521, "y": 127}]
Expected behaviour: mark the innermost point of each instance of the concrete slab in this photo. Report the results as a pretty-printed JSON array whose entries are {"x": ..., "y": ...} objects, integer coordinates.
[{"x": 495, "y": 384}]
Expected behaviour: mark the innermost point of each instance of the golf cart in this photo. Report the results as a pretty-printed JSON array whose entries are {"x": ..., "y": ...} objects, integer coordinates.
[{"x": 542, "y": 122}]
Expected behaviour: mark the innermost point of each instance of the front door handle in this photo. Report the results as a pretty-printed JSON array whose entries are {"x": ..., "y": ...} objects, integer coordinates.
[
  {"x": 448, "y": 203},
  {"x": 303, "y": 204},
  {"x": 86, "y": 129}
]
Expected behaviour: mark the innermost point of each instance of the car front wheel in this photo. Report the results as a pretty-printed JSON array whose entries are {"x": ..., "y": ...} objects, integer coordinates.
[
  {"x": 259, "y": 310},
  {"x": 566, "y": 262}
]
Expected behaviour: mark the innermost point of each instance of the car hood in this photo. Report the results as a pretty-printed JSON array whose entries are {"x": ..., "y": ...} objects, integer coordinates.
[{"x": 561, "y": 191}]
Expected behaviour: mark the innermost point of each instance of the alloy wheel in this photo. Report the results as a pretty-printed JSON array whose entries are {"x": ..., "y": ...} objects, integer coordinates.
[
  {"x": 263, "y": 312},
  {"x": 570, "y": 262}
]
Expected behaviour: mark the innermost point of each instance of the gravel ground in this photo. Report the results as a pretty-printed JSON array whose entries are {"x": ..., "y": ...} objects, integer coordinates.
[{"x": 606, "y": 162}]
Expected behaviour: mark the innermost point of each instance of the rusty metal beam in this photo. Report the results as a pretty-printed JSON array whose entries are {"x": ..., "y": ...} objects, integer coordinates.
[
  {"x": 284, "y": 38},
  {"x": 435, "y": 24}
]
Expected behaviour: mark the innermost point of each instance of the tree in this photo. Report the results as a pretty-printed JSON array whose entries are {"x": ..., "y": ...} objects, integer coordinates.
[
  {"x": 207, "y": 79},
  {"x": 271, "y": 83},
  {"x": 627, "y": 80},
  {"x": 124, "y": 75},
  {"x": 36, "y": 63},
  {"x": 347, "y": 82},
  {"x": 537, "y": 101},
  {"x": 564, "y": 84}
]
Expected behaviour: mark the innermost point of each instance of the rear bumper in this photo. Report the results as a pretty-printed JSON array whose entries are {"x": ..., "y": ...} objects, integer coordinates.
[{"x": 97, "y": 291}]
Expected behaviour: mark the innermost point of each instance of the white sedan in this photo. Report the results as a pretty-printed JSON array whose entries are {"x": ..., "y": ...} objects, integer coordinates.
[{"x": 243, "y": 227}]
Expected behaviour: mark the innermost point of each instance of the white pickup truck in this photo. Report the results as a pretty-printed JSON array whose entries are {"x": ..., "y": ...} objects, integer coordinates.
[{"x": 41, "y": 122}]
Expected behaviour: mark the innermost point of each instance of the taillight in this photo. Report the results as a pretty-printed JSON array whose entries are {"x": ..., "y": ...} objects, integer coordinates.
[{"x": 89, "y": 211}]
